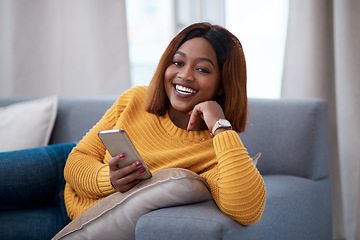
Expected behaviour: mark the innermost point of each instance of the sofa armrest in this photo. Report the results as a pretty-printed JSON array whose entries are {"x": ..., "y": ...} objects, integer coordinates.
[
  {"x": 32, "y": 177},
  {"x": 296, "y": 208},
  {"x": 292, "y": 134}
]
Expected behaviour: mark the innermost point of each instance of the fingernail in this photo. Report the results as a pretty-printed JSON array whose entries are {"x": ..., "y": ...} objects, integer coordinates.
[
  {"x": 122, "y": 155},
  {"x": 142, "y": 170},
  {"x": 138, "y": 164}
]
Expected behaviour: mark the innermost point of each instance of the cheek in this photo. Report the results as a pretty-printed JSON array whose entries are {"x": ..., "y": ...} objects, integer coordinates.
[
  {"x": 212, "y": 86},
  {"x": 167, "y": 81},
  {"x": 169, "y": 74}
]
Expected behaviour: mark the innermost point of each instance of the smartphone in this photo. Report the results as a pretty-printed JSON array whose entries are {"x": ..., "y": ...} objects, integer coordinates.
[{"x": 116, "y": 142}]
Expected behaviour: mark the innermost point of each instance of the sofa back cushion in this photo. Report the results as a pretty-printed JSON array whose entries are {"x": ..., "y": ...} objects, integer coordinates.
[
  {"x": 76, "y": 116},
  {"x": 292, "y": 135}
]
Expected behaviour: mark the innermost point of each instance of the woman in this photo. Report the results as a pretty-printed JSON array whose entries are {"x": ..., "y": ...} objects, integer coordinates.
[{"x": 178, "y": 121}]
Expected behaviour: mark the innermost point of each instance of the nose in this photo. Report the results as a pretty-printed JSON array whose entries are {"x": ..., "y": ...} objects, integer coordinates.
[{"x": 186, "y": 74}]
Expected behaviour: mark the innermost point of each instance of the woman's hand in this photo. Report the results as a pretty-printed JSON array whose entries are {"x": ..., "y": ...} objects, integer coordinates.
[
  {"x": 209, "y": 111},
  {"x": 123, "y": 179}
]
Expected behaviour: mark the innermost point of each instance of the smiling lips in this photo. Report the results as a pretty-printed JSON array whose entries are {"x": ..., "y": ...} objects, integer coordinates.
[{"x": 184, "y": 90}]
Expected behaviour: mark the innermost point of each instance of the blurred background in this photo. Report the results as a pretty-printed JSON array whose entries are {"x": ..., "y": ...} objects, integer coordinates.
[
  {"x": 293, "y": 48},
  {"x": 81, "y": 47},
  {"x": 261, "y": 30}
]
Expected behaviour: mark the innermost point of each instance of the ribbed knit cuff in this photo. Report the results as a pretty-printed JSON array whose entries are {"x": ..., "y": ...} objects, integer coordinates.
[
  {"x": 104, "y": 181},
  {"x": 226, "y": 140}
]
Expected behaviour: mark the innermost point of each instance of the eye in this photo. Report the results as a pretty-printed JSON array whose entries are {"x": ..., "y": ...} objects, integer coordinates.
[
  {"x": 178, "y": 63},
  {"x": 203, "y": 70}
]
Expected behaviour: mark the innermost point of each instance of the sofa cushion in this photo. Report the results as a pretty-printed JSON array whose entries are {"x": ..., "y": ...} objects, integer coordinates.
[
  {"x": 292, "y": 135},
  {"x": 27, "y": 124},
  {"x": 116, "y": 215},
  {"x": 77, "y": 115},
  {"x": 301, "y": 207}
]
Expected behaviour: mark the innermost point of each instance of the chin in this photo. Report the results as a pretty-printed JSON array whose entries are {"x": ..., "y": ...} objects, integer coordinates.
[{"x": 181, "y": 108}]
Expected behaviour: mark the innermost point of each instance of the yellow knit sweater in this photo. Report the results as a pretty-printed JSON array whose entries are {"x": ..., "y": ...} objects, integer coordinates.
[{"x": 236, "y": 185}]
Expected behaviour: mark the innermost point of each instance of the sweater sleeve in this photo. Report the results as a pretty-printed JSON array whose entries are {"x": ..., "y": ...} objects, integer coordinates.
[
  {"x": 236, "y": 185},
  {"x": 85, "y": 170}
]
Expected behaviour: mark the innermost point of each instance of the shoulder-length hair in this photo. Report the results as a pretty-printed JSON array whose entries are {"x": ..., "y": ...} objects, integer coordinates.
[{"x": 232, "y": 65}]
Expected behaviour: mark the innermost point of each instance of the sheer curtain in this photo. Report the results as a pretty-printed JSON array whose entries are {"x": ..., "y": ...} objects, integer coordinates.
[
  {"x": 67, "y": 48},
  {"x": 322, "y": 61}
]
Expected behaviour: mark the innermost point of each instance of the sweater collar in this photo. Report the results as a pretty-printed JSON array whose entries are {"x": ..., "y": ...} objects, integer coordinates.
[{"x": 179, "y": 133}]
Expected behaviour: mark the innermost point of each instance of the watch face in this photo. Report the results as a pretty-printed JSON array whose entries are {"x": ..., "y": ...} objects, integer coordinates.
[{"x": 224, "y": 123}]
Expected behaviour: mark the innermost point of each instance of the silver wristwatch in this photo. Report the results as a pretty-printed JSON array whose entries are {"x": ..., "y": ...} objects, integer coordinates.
[{"x": 221, "y": 123}]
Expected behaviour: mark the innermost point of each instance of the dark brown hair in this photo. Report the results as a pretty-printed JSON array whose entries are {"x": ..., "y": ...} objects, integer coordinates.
[{"x": 232, "y": 67}]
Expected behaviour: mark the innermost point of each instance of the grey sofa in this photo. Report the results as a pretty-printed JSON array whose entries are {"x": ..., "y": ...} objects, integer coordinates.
[{"x": 292, "y": 136}]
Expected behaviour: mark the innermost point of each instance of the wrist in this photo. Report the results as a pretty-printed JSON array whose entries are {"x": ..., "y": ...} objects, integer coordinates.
[
  {"x": 220, "y": 130},
  {"x": 220, "y": 126}
]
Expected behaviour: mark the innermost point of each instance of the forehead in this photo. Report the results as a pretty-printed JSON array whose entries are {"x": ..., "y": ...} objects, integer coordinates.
[{"x": 198, "y": 48}]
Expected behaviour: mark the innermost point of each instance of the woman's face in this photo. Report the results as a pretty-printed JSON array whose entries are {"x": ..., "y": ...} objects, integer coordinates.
[{"x": 194, "y": 75}]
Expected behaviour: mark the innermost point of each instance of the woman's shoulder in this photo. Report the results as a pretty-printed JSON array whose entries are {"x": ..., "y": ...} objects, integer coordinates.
[
  {"x": 138, "y": 91},
  {"x": 132, "y": 94}
]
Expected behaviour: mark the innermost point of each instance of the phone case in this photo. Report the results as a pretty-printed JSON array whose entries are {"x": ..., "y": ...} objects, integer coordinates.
[{"x": 117, "y": 142}]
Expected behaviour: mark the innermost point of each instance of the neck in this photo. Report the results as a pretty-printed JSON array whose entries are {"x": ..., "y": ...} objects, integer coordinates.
[{"x": 181, "y": 120}]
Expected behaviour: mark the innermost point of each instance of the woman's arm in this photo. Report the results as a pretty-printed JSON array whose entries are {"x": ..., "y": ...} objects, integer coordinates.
[
  {"x": 236, "y": 185},
  {"x": 85, "y": 170}
]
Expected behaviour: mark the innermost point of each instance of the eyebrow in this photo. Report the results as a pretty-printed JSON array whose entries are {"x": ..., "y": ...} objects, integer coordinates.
[{"x": 201, "y": 58}]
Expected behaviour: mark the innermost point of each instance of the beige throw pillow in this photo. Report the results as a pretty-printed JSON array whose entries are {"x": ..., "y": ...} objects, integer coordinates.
[
  {"x": 115, "y": 216},
  {"x": 256, "y": 158},
  {"x": 27, "y": 124}
]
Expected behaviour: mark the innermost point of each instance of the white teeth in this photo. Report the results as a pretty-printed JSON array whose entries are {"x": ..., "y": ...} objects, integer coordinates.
[{"x": 184, "y": 90}]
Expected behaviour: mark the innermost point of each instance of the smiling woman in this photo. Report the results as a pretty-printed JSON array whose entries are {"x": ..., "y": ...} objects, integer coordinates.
[
  {"x": 189, "y": 117},
  {"x": 224, "y": 68},
  {"x": 194, "y": 60}
]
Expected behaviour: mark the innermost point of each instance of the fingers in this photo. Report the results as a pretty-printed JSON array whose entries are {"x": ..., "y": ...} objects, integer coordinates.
[
  {"x": 194, "y": 115},
  {"x": 209, "y": 111},
  {"x": 120, "y": 186},
  {"x": 113, "y": 162},
  {"x": 124, "y": 178}
]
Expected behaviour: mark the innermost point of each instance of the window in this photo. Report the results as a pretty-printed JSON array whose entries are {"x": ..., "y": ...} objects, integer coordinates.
[
  {"x": 150, "y": 29},
  {"x": 260, "y": 26}
]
